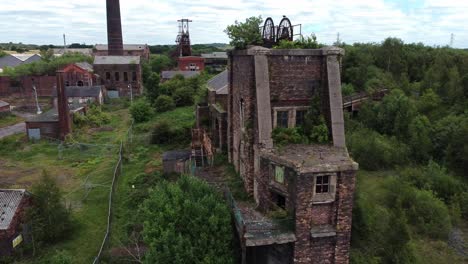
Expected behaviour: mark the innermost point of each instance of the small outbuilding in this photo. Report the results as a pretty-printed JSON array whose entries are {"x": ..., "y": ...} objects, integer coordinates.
[
  {"x": 13, "y": 204},
  {"x": 82, "y": 94},
  {"x": 177, "y": 161}
]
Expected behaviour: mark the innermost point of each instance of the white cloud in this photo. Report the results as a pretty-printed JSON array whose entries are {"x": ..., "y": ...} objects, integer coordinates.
[{"x": 155, "y": 21}]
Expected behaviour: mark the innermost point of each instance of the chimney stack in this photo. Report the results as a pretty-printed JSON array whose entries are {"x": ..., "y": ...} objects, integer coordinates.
[
  {"x": 114, "y": 28},
  {"x": 62, "y": 107}
]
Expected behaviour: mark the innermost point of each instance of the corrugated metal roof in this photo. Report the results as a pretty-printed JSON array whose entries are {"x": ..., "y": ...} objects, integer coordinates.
[
  {"x": 109, "y": 60},
  {"x": 24, "y": 57},
  {"x": 80, "y": 91},
  {"x": 9, "y": 202},
  {"x": 84, "y": 51},
  {"x": 3, "y": 103},
  {"x": 219, "y": 83},
  {"x": 215, "y": 55},
  {"x": 125, "y": 47},
  {"x": 176, "y": 155},
  {"x": 85, "y": 66},
  {"x": 171, "y": 74}
]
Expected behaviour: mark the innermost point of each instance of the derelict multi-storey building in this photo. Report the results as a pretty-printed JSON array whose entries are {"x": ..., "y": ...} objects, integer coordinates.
[{"x": 314, "y": 184}]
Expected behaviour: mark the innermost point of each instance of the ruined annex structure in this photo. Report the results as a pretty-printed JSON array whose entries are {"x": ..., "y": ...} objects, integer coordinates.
[
  {"x": 314, "y": 184},
  {"x": 118, "y": 72}
]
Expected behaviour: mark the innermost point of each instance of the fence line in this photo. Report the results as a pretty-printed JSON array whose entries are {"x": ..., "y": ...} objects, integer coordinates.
[{"x": 117, "y": 172}]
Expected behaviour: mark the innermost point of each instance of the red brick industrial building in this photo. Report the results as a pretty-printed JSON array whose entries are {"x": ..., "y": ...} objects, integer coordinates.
[
  {"x": 191, "y": 63},
  {"x": 313, "y": 184},
  {"x": 141, "y": 50},
  {"x": 14, "y": 204}
]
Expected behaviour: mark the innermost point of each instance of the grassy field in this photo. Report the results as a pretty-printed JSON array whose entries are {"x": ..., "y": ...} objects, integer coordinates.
[
  {"x": 10, "y": 120},
  {"x": 83, "y": 172},
  {"x": 370, "y": 186}
]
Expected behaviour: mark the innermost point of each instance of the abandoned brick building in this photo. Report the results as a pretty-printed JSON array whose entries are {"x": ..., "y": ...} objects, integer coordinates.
[
  {"x": 313, "y": 183},
  {"x": 141, "y": 50},
  {"x": 119, "y": 73},
  {"x": 13, "y": 204}
]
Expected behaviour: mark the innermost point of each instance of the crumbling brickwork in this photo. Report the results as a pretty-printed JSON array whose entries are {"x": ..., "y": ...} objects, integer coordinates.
[{"x": 272, "y": 87}]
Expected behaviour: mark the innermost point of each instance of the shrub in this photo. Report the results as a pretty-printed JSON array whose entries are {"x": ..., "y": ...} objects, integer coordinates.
[
  {"x": 183, "y": 96},
  {"x": 186, "y": 220},
  {"x": 164, "y": 103},
  {"x": 164, "y": 133},
  {"x": 141, "y": 111},
  {"x": 427, "y": 214},
  {"x": 319, "y": 133},
  {"x": 374, "y": 151},
  {"x": 283, "y": 136},
  {"x": 50, "y": 219}
]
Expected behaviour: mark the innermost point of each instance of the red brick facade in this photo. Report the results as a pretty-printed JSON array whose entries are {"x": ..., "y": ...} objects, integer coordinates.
[
  {"x": 15, "y": 228},
  {"x": 263, "y": 84},
  {"x": 191, "y": 63}
]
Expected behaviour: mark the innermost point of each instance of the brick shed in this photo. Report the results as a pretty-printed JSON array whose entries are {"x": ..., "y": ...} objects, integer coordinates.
[{"x": 13, "y": 204}]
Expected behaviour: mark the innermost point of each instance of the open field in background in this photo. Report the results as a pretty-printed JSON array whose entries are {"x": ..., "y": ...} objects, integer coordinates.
[{"x": 83, "y": 169}]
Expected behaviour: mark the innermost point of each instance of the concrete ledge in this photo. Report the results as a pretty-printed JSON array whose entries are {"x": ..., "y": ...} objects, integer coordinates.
[{"x": 257, "y": 50}]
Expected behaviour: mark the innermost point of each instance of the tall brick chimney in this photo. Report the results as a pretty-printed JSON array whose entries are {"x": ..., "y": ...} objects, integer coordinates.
[
  {"x": 114, "y": 28},
  {"x": 62, "y": 107}
]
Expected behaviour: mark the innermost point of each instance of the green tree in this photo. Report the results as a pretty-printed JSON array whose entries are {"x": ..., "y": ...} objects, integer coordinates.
[
  {"x": 186, "y": 220},
  {"x": 161, "y": 62},
  {"x": 152, "y": 87},
  {"x": 141, "y": 111},
  {"x": 183, "y": 96},
  {"x": 50, "y": 220},
  {"x": 245, "y": 33},
  {"x": 47, "y": 54},
  {"x": 164, "y": 103},
  {"x": 419, "y": 139}
]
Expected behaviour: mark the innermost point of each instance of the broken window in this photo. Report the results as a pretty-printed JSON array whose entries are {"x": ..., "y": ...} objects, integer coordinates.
[
  {"x": 322, "y": 184},
  {"x": 279, "y": 174},
  {"x": 117, "y": 76},
  {"x": 300, "y": 117},
  {"x": 80, "y": 83},
  {"x": 126, "y": 76},
  {"x": 134, "y": 76},
  {"x": 282, "y": 119},
  {"x": 279, "y": 200},
  {"x": 108, "y": 76}
]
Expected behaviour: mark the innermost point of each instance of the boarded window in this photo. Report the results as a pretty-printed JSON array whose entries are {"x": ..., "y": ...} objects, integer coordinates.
[
  {"x": 322, "y": 184},
  {"x": 279, "y": 174},
  {"x": 300, "y": 118},
  {"x": 282, "y": 119}
]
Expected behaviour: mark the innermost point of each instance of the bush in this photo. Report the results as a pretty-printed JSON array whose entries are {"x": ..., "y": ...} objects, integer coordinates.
[
  {"x": 186, "y": 220},
  {"x": 374, "y": 151},
  {"x": 93, "y": 117},
  {"x": 283, "y": 136},
  {"x": 183, "y": 96},
  {"x": 164, "y": 133},
  {"x": 141, "y": 111},
  {"x": 164, "y": 103},
  {"x": 427, "y": 214},
  {"x": 50, "y": 220}
]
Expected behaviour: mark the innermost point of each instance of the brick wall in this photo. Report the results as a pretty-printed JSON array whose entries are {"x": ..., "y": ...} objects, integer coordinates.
[
  {"x": 337, "y": 214},
  {"x": 121, "y": 84},
  {"x": 7, "y": 236}
]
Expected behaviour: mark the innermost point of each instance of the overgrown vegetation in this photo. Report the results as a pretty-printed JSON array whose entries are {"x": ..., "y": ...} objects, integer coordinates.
[
  {"x": 245, "y": 33},
  {"x": 419, "y": 131},
  {"x": 45, "y": 67},
  {"x": 186, "y": 220},
  {"x": 94, "y": 117},
  {"x": 49, "y": 219},
  {"x": 300, "y": 43}
]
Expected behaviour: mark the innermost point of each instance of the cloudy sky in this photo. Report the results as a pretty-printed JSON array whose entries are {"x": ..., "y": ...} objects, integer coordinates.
[{"x": 155, "y": 21}]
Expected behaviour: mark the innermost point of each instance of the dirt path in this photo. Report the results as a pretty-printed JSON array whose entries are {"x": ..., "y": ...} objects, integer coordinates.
[{"x": 11, "y": 130}]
